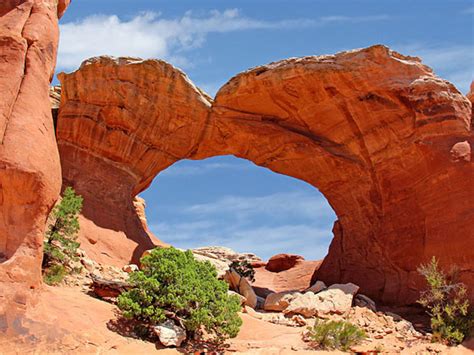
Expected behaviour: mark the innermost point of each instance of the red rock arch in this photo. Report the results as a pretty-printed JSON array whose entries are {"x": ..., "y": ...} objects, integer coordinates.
[{"x": 386, "y": 141}]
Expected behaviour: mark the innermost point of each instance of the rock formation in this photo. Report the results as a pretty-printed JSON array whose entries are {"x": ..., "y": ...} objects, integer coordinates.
[
  {"x": 30, "y": 177},
  {"x": 381, "y": 136},
  {"x": 283, "y": 262},
  {"x": 121, "y": 122}
]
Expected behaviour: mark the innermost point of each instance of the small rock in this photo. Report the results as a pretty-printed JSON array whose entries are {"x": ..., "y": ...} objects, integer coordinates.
[
  {"x": 130, "y": 268},
  {"x": 88, "y": 264},
  {"x": 170, "y": 334},
  {"x": 241, "y": 285},
  {"x": 404, "y": 327},
  {"x": 361, "y": 300},
  {"x": 278, "y": 301},
  {"x": 317, "y": 287},
  {"x": 299, "y": 320}
]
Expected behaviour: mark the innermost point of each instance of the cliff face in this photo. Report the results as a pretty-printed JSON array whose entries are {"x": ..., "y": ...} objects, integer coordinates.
[
  {"x": 386, "y": 141},
  {"x": 30, "y": 176}
]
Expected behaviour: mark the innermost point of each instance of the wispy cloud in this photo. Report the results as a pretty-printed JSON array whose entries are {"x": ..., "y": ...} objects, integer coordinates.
[
  {"x": 201, "y": 169},
  {"x": 295, "y": 222},
  {"x": 286, "y": 204},
  {"x": 303, "y": 239},
  {"x": 452, "y": 62},
  {"x": 148, "y": 35},
  {"x": 468, "y": 11}
]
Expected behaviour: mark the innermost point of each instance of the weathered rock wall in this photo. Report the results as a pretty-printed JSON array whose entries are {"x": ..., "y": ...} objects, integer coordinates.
[
  {"x": 121, "y": 122},
  {"x": 384, "y": 139},
  {"x": 30, "y": 176}
]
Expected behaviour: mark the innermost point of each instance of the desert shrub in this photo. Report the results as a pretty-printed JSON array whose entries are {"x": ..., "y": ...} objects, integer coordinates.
[
  {"x": 244, "y": 269},
  {"x": 60, "y": 244},
  {"x": 335, "y": 335},
  {"x": 172, "y": 284},
  {"x": 446, "y": 302},
  {"x": 54, "y": 274}
]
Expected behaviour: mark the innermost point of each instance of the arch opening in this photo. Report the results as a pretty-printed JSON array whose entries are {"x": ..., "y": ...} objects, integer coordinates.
[{"x": 230, "y": 202}]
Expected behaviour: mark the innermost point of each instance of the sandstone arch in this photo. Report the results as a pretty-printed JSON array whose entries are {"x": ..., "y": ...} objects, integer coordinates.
[{"x": 384, "y": 139}]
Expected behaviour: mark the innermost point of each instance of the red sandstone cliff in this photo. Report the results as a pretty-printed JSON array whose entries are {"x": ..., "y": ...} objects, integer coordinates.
[
  {"x": 384, "y": 139},
  {"x": 30, "y": 177}
]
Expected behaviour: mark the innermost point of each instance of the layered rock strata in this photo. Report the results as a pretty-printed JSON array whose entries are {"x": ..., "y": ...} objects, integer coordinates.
[
  {"x": 121, "y": 122},
  {"x": 385, "y": 140},
  {"x": 30, "y": 176}
]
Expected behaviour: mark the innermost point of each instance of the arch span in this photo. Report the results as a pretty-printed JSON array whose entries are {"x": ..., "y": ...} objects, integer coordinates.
[{"x": 384, "y": 139}]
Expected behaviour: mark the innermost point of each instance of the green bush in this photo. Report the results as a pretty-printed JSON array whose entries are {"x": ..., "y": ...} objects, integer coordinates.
[
  {"x": 172, "y": 284},
  {"x": 244, "y": 269},
  {"x": 60, "y": 245},
  {"x": 446, "y": 303},
  {"x": 335, "y": 335},
  {"x": 54, "y": 274}
]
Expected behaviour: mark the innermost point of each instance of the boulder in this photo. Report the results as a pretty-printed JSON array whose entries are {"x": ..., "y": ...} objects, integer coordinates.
[
  {"x": 361, "y": 300},
  {"x": 306, "y": 304},
  {"x": 279, "y": 301},
  {"x": 108, "y": 289},
  {"x": 317, "y": 287},
  {"x": 226, "y": 254},
  {"x": 295, "y": 279},
  {"x": 322, "y": 304},
  {"x": 348, "y": 288},
  {"x": 221, "y": 266},
  {"x": 240, "y": 285},
  {"x": 282, "y": 262},
  {"x": 170, "y": 334}
]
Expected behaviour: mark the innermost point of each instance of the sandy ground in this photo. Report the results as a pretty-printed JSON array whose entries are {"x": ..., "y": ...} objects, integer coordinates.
[{"x": 68, "y": 321}]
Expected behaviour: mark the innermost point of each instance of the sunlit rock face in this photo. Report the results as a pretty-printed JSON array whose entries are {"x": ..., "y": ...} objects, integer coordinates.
[
  {"x": 381, "y": 136},
  {"x": 30, "y": 177},
  {"x": 121, "y": 122}
]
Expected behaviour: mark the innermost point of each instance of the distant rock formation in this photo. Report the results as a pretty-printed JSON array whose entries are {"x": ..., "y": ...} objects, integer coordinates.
[{"x": 380, "y": 135}]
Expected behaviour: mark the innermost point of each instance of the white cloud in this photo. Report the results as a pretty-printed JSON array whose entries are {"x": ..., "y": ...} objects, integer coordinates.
[
  {"x": 454, "y": 63},
  {"x": 283, "y": 222},
  {"x": 148, "y": 35},
  {"x": 303, "y": 239},
  {"x": 287, "y": 204}
]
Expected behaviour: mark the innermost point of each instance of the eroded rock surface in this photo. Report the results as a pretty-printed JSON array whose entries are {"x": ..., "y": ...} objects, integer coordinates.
[
  {"x": 30, "y": 177},
  {"x": 373, "y": 130},
  {"x": 122, "y": 121}
]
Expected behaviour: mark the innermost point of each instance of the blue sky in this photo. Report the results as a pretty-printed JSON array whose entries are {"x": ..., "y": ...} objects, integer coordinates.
[{"x": 225, "y": 200}]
